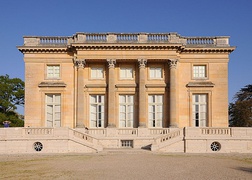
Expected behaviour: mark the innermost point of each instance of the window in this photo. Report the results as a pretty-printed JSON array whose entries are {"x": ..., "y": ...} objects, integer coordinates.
[
  {"x": 155, "y": 72},
  {"x": 199, "y": 71},
  {"x": 126, "y": 73},
  {"x": 126, "y": 110},
  {"x": 53, "y": 112},
  {"x": 127, "y": 143},
  {"x": 97, "y": 111},
  {"x": 53, "y": 71},
  {"x": 155, "y": 110},
  {"x": 200, "y": 110},
  {"x": 97, "y": 73}
]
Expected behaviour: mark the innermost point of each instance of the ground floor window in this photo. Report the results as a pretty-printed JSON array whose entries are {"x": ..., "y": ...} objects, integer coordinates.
[
  {"x": 126, "y": 103},
  {"x": 53, "y": 112},
  {"x": 155, "y": 103},
  {"x": 97, "y": 111},
  {"x": 199, "y": 110}
]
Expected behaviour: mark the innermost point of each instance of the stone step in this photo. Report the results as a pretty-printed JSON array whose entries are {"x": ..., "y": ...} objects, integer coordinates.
[{"x": 124, "y": 151}]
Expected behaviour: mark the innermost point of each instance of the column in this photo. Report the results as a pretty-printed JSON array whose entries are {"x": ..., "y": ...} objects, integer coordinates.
[
  {"x": 80, "y": 64},
  {"x": 173, "y": 92},
  {"x": 111, "y": 93},
  {"x": 142, "y": 94}
]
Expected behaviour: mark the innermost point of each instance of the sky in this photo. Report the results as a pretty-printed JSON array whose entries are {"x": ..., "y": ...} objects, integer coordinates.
[{"x": 232, "y": 18}]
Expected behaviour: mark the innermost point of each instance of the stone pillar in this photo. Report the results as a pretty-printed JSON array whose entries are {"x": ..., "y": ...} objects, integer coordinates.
[
  {"x": 141, "y": 94},
  {"x": 80, "y": 64},
  {"x": 111, "y": 93},
  {"x": 173, "y": 92}
]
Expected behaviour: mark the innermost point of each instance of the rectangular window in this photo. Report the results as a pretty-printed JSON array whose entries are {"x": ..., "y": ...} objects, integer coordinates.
[
  {"x": 127, "y": 143},
  {"x": 155, "y": 103},
  {"x": 199, "y": 71},
  {"x": 97, "y": 73},
  {"x": 97, "y": 111},
  {"x": 53, "y": 71},
  {"x": 200, "y": 110},
  {"x": 53, "y": 112},
  {"x": 155, "y": 72},
  {"x": 126, "y": 73},
  {"x": 126, "y": 110}
]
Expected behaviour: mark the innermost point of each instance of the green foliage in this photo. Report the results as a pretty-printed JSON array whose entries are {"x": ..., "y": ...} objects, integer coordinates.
[
  {"x": 240, "y": 111},
  {"x": 11, "y": 95},
  {"x": 15, "y": 121}
]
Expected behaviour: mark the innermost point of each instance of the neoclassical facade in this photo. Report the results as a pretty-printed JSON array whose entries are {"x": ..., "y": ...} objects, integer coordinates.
[{"x": 118, "y": 80}]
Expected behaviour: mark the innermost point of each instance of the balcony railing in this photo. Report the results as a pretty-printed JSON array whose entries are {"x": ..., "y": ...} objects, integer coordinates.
[{"x": 173, "y": 38}]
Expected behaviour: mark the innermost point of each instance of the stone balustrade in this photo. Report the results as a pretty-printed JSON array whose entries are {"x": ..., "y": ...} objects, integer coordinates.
[
  {"x": 84, "y": 137},
  {"x": 169, "y": 38},
  {"x": 38, "y": 131},
  {"x": 216, "y": 131},
  {"x": 166, "y": 137}
]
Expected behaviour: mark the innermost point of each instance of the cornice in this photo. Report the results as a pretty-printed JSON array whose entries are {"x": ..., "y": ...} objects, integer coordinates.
[
  {"x": 42, "y": 49},
  {"x": 79, "y": 46},
  {"x": 52, "y": 84},
  {"x": 208, "y": 50}
]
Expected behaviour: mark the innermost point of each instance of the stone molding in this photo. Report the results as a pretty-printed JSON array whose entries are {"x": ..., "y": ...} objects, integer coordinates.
[
  {"x": 52, "y": 84},
  {"x": 200, "y": 84}
]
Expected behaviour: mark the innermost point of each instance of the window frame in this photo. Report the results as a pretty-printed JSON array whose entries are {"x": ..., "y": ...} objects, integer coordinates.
[
  {"x": 47, "y": 72},
  {"x": 127, "y": 106},
  {"x": 155, "y": 67},
  {"x": 97, "y": 105},
  {"x": 198, "y": 74},
  {"x": 200, "y": 104},
  {"x": 97, "y": 67},
  {"x": 156, "y": 104},
  {"x": 54, "y": 104},
  {"x": 126, "y": 68}
]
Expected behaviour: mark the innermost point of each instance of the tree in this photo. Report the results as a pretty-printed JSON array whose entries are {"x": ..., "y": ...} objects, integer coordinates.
[
  {"x": 240, "y": 111},
  {"x": 11, "y": 93}
]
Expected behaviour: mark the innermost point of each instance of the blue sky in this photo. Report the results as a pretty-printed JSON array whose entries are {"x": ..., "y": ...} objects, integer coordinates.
[{"x": 187, "y": 17}]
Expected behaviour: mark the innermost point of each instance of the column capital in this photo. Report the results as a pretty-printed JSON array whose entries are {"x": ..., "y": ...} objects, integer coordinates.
[
  {"x": 172, "y": 63},
  {"x": 79, "y": 63},
  {"x": 111, "y": 63},
  {"x": 142, "y": 63}
]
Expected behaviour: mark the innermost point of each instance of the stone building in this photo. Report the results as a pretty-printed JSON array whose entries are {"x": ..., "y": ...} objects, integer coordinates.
[
  {"x": 119, "y": 80},
  {"x": 94, "y": 91}
]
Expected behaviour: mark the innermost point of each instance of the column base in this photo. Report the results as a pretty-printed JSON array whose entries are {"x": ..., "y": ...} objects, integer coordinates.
[
  {"x": 111, "y": 125},
  {"x": 142, "y": 125},
  {"x": 173, "y": 126},
  {"x": 80, "y": 126}
]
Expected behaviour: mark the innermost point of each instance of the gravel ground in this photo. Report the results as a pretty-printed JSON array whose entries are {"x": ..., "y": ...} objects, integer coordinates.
[{"x": 126, "y": 164}]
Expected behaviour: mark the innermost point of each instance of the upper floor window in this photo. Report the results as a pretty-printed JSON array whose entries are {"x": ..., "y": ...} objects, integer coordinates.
[
  {"x": 155, "y": 72},
  {"x": 97, "y": 73},
  {"x": 53, "y": 71},
  {"x": 126, "y": 73},
  {"x": 199, "y": 71}
]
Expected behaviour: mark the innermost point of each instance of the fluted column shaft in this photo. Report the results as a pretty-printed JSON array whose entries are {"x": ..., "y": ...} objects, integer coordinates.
[
  {"x": 111, "y": 93},
  {"x": 80, "y": 64},
  {"x": 173, "y": 92},
  {"x": 142, "y": 94}
]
